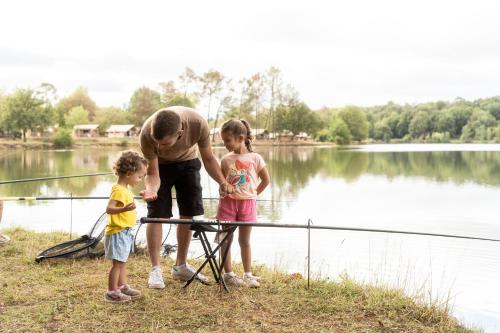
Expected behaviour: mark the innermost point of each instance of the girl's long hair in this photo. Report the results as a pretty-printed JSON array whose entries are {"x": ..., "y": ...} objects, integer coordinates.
[{"x": 236, "y": 128}]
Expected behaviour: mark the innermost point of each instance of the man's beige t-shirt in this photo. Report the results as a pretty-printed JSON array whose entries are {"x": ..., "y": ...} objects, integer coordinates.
[{"x": 195, "y": 132}]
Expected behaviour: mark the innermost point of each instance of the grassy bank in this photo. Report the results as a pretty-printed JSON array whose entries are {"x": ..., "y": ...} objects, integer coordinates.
[{"x": 69, "y": 296}]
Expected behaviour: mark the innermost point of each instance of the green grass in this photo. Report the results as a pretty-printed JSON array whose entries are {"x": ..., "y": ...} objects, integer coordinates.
[{"x": 68, "y": 296}]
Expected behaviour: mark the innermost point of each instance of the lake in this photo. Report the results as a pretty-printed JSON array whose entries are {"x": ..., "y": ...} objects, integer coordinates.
[{"x": 448, "y": 189}]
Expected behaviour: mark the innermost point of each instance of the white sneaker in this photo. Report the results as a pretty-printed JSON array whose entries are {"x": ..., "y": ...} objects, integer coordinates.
[
  {"x": 185, "y": 272},
  {"x": 252, "y": 281},
  {"x": 156, "y": 278},
  {"x": 4, "y": 239},
  {"x": 233, "y": 280}
]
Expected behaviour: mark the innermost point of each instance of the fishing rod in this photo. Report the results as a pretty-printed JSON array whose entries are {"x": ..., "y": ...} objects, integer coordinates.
[
  {"x": 303, "y": 226},
  {"x": 94, "y": 198},
  {"x": 51, "y": 178}
]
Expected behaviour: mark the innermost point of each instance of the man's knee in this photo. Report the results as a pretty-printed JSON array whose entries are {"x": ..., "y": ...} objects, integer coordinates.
[{"x": 154, "y": 231}]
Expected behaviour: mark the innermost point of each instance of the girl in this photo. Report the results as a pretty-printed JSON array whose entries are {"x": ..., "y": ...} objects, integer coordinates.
[
  {"x": 242, "y": 169},
  {"x": 130, "y": 169}
]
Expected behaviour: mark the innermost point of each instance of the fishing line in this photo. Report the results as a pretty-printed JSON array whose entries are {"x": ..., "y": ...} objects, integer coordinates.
[
  {"x": 54, "y": 177},
  {"x": 306, "y": 226}
]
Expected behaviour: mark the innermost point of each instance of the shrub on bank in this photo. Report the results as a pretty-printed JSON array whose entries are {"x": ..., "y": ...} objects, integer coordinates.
[{"x": 63, "y": 139}]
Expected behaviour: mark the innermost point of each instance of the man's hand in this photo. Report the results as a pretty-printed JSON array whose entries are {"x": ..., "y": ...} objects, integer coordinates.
[
  {"x": 225, "y": 189},
  {"x": 148, "y": 195}
]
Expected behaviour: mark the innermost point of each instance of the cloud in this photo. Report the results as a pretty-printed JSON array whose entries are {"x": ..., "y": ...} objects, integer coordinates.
[{"x": 360, "y": 52}]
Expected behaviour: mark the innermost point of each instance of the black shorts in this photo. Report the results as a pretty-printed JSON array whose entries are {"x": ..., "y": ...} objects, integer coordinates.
[{"x": 185, "y": 177}]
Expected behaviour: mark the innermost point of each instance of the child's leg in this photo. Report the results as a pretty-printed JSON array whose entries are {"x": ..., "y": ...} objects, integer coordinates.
[
  {"x": 114, "y": 275},
  {"x": 228, "y": 267},
  {"x": 246, "y": 250},
  {"x": 122, "y": 279}
]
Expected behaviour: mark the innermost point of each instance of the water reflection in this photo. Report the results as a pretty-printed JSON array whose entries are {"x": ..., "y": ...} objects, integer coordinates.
[{"x": 291, "y": 169}]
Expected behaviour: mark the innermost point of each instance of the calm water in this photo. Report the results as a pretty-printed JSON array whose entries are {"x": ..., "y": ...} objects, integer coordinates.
[{"x": 452, "y": 189}]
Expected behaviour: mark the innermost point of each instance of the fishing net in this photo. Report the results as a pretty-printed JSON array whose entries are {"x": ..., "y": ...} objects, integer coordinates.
[{"x": 89, "y": 245}]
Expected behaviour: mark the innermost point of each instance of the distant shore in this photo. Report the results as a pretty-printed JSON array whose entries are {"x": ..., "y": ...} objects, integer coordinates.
[{"x": 46, "y": 143}]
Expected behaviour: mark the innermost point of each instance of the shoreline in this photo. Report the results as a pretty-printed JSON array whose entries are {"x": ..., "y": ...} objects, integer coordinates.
[
  {"x": 134, "y": 142},
  {"x": 46, "y": 143}
]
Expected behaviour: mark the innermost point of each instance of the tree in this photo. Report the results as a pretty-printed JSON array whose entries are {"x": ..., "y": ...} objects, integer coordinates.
[
  {"x": 255, "y": 94},
  {"x": 24, "y": 111},
  {"x": 339, "y": 131},
  {"x": 467, "y": 134},
  {"x": 245, "y": 107},
  {"x": 143, "y": 103},
  {"x": 274, "y": 81},
  {"x": 460, "y": 114},
  {"x": 80, "y": 97},
  {"x": 225, "y": 105},
  {"x": 494, "y": 109},
  {"x": 420, "y": 124},
  {"x": 356, "y": 121},
  {"x": 382, "y": 131},
  {"x": 478, "y": 126},
  {"x": 212, "y": 83},
  {"x": 3, "y": 113},
  {"x": 481, "y": 118},
  {"x": 187, "y": 80},
  {"x": 444, "y": 121},
  {"x": 47, "y": 92},
  {"x": 402, "y": 127},
  {"x": 297, "y": 118},
  {"x": 108, "y": 116},
  {"x": 179, "y": 100},
  {"x": 304, "y": 120},
  {"x": 76, "y": 116}
]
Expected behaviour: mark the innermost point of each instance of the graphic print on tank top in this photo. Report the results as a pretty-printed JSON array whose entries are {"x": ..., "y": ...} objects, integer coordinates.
[{"x": 239, "y": 175}]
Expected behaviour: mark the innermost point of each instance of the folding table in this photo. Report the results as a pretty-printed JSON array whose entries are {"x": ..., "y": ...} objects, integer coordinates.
[{"x": 200, "y": 232}]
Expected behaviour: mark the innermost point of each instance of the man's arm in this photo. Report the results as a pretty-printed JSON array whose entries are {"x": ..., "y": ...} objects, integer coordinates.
[
  {"x": 213, "y": 169},
  {"x": 152, "y": 181}
]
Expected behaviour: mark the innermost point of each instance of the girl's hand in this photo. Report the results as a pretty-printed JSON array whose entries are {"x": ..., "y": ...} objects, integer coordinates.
[
  {"x": 148, "y": 195},
  {"x": 130, "y": 206}
]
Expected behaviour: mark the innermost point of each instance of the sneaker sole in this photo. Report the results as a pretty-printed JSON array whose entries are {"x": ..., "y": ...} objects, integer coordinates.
[
  {"x": 116, "y": 302},
  {"x": 154, "y": 286},
  {"x": 206, "y": 282}
]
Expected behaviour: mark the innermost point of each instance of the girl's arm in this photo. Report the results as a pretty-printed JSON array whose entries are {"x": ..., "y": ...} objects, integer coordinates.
[
  {"x": 116, "y": 207},
  {"x": 264, "y": 180}
]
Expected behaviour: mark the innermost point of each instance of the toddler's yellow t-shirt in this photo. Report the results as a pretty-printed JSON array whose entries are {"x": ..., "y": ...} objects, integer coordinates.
[{"x": 120, "y": 221}]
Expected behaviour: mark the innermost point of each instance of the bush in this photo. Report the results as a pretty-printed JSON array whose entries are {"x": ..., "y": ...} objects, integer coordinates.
[
  {"x": 340, "y": 132},
  {"x": 63, "y": 139},
  {"x": 407, "y": 138},
  {"x": 324, "y": 135},
  {"x": 438, "y": 137}
]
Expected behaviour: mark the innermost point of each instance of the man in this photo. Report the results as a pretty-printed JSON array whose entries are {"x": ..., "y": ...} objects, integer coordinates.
[{"x": 168, "y": 140}]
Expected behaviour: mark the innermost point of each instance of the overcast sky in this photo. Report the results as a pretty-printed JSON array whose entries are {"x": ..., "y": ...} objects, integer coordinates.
[{"x": 333, "y": 52}]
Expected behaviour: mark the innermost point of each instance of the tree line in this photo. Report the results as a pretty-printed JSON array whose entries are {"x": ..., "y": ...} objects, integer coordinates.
[{"x": 265, "y": 100}]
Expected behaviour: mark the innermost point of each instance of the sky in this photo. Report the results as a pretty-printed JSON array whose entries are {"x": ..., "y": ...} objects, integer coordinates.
[{"x": 332, "y": 52}]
